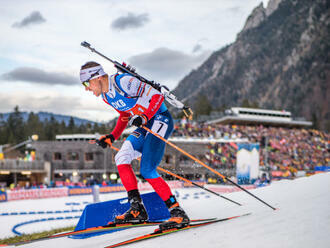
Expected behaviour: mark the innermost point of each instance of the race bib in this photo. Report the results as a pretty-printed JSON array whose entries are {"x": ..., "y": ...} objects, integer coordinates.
[{"x": 159, "y": 127}]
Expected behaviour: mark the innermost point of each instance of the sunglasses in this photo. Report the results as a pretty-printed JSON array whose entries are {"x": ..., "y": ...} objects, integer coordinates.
[{"x": 87, "y": 83}]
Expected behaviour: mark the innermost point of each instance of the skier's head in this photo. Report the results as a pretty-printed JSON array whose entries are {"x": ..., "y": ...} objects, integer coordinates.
[
  {"x": 89, "y": 71},
  {"x": 93, "y": 77}
]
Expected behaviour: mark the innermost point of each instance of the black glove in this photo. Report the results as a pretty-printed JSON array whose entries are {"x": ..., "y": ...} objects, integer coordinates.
[
  {"x": 138, "y": 120},
  {"x": 105, "y": 140}
]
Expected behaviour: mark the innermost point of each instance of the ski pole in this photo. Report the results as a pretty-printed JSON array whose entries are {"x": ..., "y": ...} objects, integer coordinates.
[
  {"x": 197, "y": 185},
  {"x": 188, "y": 181},
  {"x": 206, "y": 166}
]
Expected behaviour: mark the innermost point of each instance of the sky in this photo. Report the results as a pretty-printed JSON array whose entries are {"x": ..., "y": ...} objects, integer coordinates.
[{"x": 40, "y": 52}]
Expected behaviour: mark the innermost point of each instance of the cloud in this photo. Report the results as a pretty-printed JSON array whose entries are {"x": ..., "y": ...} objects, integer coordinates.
[
  {"x": 235, "y": 9},
  {"x": 36, "y": 103},
  {"x": 93, "y": 109},
  {"x": 130, "y": 21},
  {"x": 167, "y": 64},
  {"x": 34, "y": 75},
  {"x": 34, "y": 18}
]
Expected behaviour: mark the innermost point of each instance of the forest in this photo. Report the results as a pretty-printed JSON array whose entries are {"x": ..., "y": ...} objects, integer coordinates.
[{"x": 15, "y": 129}]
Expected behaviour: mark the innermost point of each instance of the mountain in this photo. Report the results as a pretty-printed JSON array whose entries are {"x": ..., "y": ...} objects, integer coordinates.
[
  {"x": 280, "y": 60},
  {"x": 46, "y": 116}
]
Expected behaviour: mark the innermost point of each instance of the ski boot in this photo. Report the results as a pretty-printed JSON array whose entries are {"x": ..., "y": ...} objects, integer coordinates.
[
  {"x": 178, "y": 219},
  {"x": 136, "y": 213}
]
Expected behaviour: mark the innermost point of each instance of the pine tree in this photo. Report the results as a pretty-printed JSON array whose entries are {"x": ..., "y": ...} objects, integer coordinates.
[
  {"x": 33, "y": 125},
  {"x": 62, "y": 128},
  {"x": 15, "y": 125},
  {"x": 71, "y": 126},
  {"x": 95, "y": 128},
  {"x": 89, "y": 128},
  {"x": 3, "y": 135},
  {"x": 82, "y": 128},
  {"x": 51, "y": 128}
]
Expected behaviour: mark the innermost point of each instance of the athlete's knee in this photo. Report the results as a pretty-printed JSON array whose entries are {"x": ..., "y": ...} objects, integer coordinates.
[
  {"x": 126, "y": 154},
  {"x": 149, "y": 173},
  {"x": 122, "y": 159}
]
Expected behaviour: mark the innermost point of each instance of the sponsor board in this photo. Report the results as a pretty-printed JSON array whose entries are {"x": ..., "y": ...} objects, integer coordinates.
[
  {"x": 79, "y": 191},
  {"x": 89, "y": 190},
  {"x": 109, "y": 189},
  {"x": 72, "y": 191},
  {"x": 36, "y": 193},
  {"x": 171, "y": 184},
  {"x": 185, "y": 184},
  {"x": 247, "y": 163}
]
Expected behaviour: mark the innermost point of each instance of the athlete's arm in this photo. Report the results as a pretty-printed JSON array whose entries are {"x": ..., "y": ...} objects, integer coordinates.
[
  {"x": 121, "y": 124},
  {"x": 155, "y": 103}
]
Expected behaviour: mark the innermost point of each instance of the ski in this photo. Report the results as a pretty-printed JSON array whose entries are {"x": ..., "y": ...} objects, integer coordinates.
[
  {"x": 105, "y": 228},
  {"x": 158, "y": 232}
]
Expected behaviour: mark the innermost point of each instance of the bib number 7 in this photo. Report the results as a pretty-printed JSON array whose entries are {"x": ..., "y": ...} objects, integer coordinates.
[{"x": 159, "y": 127}]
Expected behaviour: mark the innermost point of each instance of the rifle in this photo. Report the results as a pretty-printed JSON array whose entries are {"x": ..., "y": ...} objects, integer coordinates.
[{"x": 124, "y": 68}]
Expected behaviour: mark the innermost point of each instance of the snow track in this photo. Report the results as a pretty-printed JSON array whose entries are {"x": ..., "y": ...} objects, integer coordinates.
[{"x": 302, "y": 220}]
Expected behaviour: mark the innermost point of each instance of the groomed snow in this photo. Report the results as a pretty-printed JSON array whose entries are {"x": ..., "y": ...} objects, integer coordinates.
[{"x": 303, "y": 218}]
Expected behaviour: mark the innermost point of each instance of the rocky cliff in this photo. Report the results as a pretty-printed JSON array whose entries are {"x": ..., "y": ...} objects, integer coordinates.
[{"x": 280, "y": 60}]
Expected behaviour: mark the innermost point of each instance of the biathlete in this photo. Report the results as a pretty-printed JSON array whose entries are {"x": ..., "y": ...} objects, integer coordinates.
[{"x": 138, "y": 104}]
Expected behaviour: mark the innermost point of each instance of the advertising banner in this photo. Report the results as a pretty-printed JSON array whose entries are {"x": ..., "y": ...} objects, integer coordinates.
[
  {"x": 118, "y": 188},
  {"x": 79, "y": 191},
  {"x": 247, "y": 163},
  {"x": 24, "y": 194}
]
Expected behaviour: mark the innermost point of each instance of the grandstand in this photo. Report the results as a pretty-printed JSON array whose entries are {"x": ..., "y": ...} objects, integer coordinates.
[{"x": 251, "y": 116}]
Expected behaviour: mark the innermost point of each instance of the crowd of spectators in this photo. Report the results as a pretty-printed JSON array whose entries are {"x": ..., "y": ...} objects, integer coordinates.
[
  {"x": 288, "y": 149},
  {"x": 192, "y": 129},
  {"x": 221, "y": 155}
]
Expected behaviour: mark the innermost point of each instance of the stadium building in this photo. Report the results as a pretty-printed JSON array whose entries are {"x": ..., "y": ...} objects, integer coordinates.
[
  {"x": 250, "y": 116},
  {"x": 72, "y": 157}
]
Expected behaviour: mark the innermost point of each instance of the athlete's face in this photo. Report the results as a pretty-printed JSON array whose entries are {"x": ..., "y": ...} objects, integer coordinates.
[{"x": 95, "y": 85}]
